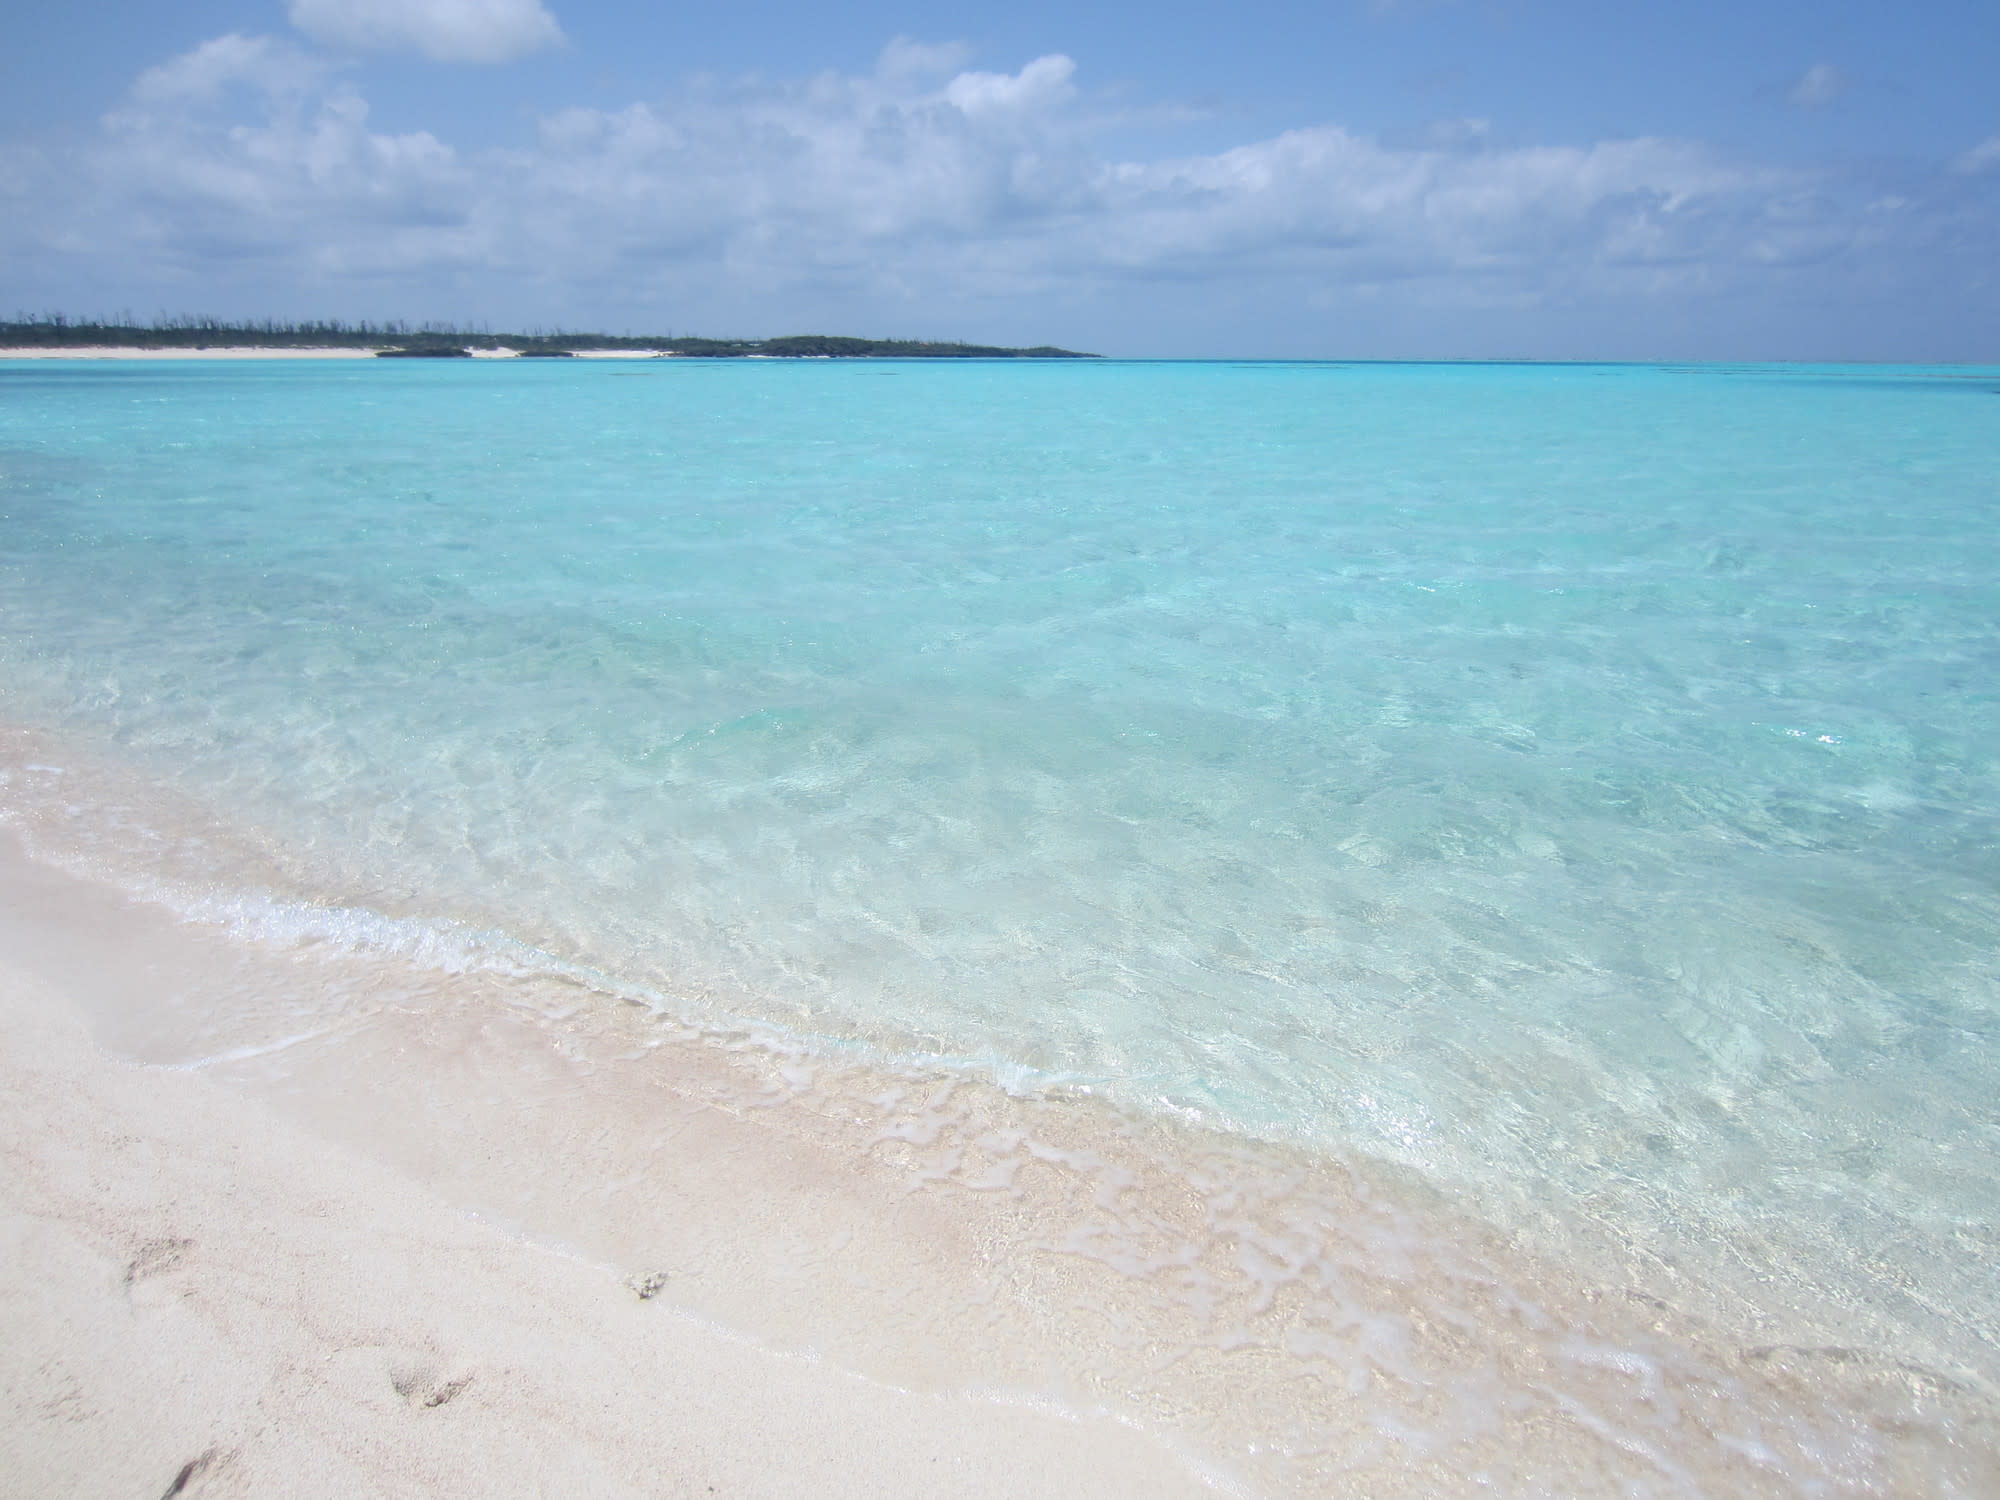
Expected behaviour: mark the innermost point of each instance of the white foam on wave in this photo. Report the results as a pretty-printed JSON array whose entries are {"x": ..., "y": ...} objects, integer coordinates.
[{"x": 127, "y": 829}]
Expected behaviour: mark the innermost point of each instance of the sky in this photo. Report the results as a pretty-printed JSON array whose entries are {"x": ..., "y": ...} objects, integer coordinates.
[{"x": 1568, "y": 179}]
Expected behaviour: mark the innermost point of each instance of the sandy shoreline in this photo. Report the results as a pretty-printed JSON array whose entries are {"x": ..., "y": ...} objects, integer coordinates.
[
  {"x": 368, "y": 1211},
  {"x": 281, "y": 355},
  {"x": 201, "y": 1294},
  {"x": 107, "y": 352}
]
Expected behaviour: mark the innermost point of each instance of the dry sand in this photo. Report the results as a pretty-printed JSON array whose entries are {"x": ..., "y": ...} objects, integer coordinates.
[{"x": 200, "y": 1298}]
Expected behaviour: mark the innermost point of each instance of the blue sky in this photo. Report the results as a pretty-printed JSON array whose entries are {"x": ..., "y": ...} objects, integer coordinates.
[{"x": 1379, "y": 178}]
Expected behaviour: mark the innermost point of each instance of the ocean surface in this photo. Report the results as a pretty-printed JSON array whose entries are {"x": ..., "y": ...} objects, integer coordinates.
[{"x": 1575, "y": 789}]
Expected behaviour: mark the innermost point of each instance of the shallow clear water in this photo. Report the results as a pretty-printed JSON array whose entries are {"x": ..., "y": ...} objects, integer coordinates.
[{"x": 1579, "y": 785}]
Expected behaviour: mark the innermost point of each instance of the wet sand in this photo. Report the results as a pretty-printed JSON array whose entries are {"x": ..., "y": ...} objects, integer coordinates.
[
  {"x": 320, "y": 1203},
  {"x": 202, "y": 1298}
]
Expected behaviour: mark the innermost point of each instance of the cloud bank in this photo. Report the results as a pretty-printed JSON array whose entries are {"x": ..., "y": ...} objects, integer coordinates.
[
  {"x": 469, "y": 31},
  {"x": 921, "y": 184}
]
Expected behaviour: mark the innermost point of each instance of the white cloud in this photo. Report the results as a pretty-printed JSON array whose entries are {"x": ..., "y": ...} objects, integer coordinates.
[
  {"x": 1819, "y": 86},
  {"x": 919, "y": 183},
  {"x": 993, "y": 180},
  {"x": 248, "y": 149},
  {"x": 1043, "y": 85},
  {"x": 1984, "y": 157},
  {"x": 905, "y": 57},
  {"x": 201, "y": 76},
  {"x": 472, "y": 31}
]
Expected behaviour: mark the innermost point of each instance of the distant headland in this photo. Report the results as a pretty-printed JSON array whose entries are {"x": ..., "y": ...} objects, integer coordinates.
[{"x": 443, "y": 340}]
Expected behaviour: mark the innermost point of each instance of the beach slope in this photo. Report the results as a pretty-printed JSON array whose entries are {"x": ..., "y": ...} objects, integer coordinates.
[{"x": 201, "y": 1299}]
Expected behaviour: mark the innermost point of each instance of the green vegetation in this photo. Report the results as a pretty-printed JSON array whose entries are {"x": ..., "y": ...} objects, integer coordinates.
[
  {"x": 824, "y": 346},
  {"x": 445, "y": 340}
]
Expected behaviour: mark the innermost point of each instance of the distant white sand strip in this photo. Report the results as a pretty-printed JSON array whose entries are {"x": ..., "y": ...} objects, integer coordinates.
[
  {"x": 127, "y": 353},
  {"x": 107, "y": 352}
]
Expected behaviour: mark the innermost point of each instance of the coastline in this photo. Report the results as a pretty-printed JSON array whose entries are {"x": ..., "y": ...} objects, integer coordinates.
[
  {"x": 1165, "y": 1311},
  {"x": 123, "y": 352},
  {"x": 109, "y": 352},
  {"x": 204, "y": 1298}
]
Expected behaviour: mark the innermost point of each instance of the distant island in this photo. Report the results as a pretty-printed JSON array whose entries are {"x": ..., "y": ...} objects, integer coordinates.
[{"x": 446, "y": 341}]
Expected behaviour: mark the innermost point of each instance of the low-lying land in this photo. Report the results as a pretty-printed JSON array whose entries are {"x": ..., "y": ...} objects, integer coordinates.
[{"x": 202, "y": 335}]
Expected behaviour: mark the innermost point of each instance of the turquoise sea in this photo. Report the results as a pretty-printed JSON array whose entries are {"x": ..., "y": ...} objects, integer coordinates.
[{"x": 1574, "y": 789}]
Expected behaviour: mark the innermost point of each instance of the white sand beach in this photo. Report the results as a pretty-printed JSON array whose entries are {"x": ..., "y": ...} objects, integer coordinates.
[
  {"x": 107, "y": 352},
  {"x": 202, "y": 1298},
  {"x": 291, "y": 1213},
  {"x": 307, "y": 353}
]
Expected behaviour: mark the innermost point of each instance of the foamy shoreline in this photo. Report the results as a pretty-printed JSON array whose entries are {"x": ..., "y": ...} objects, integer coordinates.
[
  {"x": 375, "y": 1214},
  {"x": 201, "y": 1297}
]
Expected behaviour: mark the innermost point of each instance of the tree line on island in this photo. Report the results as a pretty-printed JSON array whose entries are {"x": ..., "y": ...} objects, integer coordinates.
[{"x": 397, "y": 339}]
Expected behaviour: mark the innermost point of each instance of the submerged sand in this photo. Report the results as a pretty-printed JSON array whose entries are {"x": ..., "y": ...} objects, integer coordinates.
[{"x": 299, "y": 1199}]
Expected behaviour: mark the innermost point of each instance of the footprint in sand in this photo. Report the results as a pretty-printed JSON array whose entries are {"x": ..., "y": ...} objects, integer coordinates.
[
  {"x": 153, "y": 1260},
  {"x": 388, "y": 1379},
  {"x": 206, "y": 1463}
]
